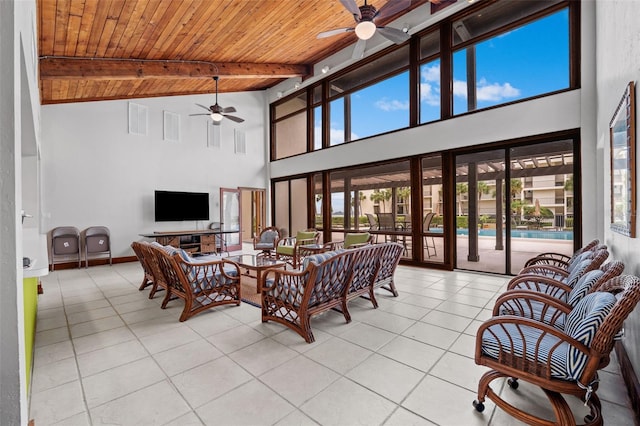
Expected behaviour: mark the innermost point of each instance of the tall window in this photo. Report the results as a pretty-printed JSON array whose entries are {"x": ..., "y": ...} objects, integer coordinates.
[
  {"x": 523, "y": 62},
  {"x": 370, "y": 100},
  {"x": 500, "y": 52},
  {"x": 290, "y": 127}
]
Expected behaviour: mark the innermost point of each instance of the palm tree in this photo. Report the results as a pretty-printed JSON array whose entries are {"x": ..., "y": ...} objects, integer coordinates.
[
  {"x": 380, "y": 196},
  {"x": 516, "y": 187},
  {"x": 516, "y": 203},
  {"x": 568, "y": 184},
  {"x": 483, "y": 188},
  {"x": 461, "y": 188},
  {"x": 405, "y": 196}
]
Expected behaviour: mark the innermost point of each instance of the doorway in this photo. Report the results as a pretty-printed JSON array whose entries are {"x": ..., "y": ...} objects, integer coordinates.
[
  {"x": 513, "y": 203},
  {"x": 243, "y": 211},
  {"x": 253, "y": 212}
]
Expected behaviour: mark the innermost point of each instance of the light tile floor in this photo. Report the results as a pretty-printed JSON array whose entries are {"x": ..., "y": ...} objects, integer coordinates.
[{"x": 106, "y": 354}]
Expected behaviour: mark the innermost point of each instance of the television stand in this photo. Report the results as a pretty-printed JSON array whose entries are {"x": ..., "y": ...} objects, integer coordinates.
[{"x": 195, "y": 242}]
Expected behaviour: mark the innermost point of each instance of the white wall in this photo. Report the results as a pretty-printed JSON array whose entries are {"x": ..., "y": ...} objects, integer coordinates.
[
  {"x": 95, "y": 173},
  {"x": 618, "y": 63}
]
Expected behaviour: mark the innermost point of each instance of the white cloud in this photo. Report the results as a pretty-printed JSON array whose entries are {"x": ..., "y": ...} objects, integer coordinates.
[
  {"x": 336, "y": 136},
  {"x": 392, "y": 105},
  {"x": 431, "y": 73},
  {"x": 486, "y": 91},
  {"x": 430, "y": 94},
  {"x": 430, "y": 85}
]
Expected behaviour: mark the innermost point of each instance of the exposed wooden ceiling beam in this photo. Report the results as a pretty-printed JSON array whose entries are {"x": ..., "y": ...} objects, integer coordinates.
[{"x": 129, "y": 69}]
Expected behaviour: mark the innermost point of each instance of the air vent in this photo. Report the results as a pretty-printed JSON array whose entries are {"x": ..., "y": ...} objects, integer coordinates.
[
  {"x": 137, "y": 119},
  {"x": 171, "y": 127},
  {"x": 213, "y": 135},
  {"x": 240, "y": 142}
]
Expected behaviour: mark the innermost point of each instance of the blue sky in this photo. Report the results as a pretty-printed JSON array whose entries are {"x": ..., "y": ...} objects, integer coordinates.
[{"x": 519, "y": 64}]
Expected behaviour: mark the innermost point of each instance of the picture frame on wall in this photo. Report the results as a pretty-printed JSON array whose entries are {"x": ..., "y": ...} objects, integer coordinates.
[{"x": 622, "y": 138}]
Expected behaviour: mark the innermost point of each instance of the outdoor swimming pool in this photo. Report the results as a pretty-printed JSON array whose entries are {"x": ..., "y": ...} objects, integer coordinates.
[{"x": 516, "y": 233}]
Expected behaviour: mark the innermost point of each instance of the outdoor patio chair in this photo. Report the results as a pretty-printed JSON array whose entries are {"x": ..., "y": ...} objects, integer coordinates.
[
  {"x": 559, "y": 362},
  {"x": 429, "y": 241},
  {"x": 373, "y": 224}
]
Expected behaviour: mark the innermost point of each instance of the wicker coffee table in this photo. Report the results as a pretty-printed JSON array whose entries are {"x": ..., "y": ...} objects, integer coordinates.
[{"x": 250, "y": 262}]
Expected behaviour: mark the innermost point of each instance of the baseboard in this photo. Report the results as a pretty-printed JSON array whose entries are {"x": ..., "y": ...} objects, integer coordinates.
[
  {"x": 630, "y": 379},
  {"x": 94, "y": 262}
]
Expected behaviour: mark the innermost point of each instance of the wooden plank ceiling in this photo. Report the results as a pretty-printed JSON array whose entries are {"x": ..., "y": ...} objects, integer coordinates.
[{"x": 119, "y": 49}]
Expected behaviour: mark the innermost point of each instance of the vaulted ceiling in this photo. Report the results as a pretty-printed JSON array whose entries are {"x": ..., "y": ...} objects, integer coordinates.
[{"x": 118, "y": 49}]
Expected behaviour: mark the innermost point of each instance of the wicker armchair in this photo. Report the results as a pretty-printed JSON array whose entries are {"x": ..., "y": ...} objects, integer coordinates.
[
  {"x": 555, "y": 274},
  {"x": 150, "y": 256},
  {"x": 559, "y": 259},
  {"x": 287, "y": 248},
  {"x": 202, "y": 284},
  {"x": 147, "y": 279},
  {"x": 560, "y": 288},
  {"x": 266, "y": 241},
  {"x": 291, "y": 298},
  {"x": 353, "y": 240},
  {"x": 553, "y": 305},
  {"x": 560, "y": 362},
  {"x": 596, "y": 253}
]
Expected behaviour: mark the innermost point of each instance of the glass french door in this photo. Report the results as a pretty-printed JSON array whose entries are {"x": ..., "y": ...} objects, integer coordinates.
[
  {"x": 230, "y": 217},
  {"x": 512, "y": 204}
]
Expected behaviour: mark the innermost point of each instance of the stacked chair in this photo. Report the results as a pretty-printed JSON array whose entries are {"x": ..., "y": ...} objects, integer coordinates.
[{"x": 556, "y": 333}]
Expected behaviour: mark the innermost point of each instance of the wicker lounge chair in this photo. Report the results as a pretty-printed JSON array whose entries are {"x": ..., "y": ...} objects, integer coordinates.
[{"x": 560, "y": 362}]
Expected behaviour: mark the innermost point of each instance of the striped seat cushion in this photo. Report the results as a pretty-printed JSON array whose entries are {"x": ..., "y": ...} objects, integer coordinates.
[
  {"x": 203, "y": 277},
  {"x": 535, "y": 309},
  {"x": 320, "y": 257},
  {"x": 566, "y": 362}
]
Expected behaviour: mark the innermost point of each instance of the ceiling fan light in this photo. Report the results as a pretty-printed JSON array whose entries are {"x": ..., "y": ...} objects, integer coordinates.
[
  {"x": 216, "y": 116},
  {"x": 365, "y": 30}
]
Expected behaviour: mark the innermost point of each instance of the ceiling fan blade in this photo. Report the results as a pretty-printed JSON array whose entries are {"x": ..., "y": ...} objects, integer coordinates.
[
  {"x": 358, "y": 50},
  {"x": 395, "y": 35},
  {"x": 202, "y": 106},
  {"x": 391, "y": 8},
  {"x": 352, "y": 7},
  {"x": 193, "y": 115},
  {"x": 337, "y": 31},
  {"x": 234, "y": 118},
  {"x": 228, "y": 109}
]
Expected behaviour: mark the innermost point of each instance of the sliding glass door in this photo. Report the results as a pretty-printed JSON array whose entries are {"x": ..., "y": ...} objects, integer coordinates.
[
  {"x": 480, "y": 211},
  {"x": 513, "y": 203}
]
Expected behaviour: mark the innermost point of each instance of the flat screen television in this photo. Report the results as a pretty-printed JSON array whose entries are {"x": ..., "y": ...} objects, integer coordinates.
[{"x": 173, "y": 206}]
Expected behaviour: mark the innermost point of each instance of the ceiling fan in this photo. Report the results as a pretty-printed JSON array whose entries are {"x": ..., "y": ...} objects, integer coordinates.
[
  {"x": 365, "y": 17},
  {"x": 216, "y": 112}
]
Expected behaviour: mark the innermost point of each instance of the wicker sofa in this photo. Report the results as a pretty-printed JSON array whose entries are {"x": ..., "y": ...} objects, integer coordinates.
[{"x": 327, "y": 280}]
